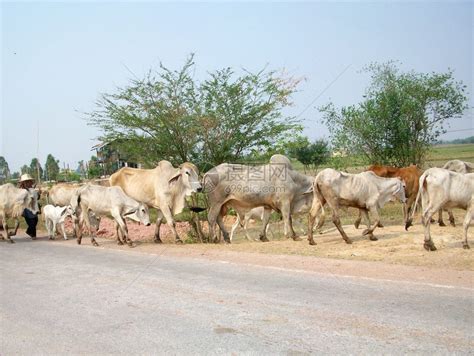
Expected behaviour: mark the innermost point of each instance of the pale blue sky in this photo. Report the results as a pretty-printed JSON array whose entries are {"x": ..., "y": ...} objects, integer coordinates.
[{"x": 57, "y": 57}]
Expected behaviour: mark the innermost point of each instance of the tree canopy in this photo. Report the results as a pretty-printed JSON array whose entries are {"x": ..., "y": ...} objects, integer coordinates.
[
  {"x": 170, "y": 115},
  {"x": 401, "y": 116}
]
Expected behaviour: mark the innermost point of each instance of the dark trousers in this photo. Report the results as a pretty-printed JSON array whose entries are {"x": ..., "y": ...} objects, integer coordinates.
[{"x": 31, "y": 220}]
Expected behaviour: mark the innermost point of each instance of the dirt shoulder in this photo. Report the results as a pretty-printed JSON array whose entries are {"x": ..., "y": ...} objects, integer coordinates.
[{"x": 420, "y": 275}]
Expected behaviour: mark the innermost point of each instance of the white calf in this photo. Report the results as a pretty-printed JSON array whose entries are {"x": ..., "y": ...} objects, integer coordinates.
[{"x": 54, "y": 217}]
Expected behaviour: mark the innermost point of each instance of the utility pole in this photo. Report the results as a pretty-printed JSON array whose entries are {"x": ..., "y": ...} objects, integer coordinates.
[{"x": 37, "y": 152}]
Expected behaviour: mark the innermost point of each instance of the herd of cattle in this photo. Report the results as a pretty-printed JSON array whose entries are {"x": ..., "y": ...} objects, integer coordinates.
[{"x": 252, "y": 191}]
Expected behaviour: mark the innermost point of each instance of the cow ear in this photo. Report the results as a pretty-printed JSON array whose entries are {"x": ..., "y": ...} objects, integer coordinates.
[
  {"x": 175, "y": 177},
  {"x": 64, "y": 211},
  {"x": 130, "y": 211}
]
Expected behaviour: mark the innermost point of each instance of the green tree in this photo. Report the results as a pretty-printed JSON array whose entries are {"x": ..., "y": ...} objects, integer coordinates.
[
  {"x": 51, "y": 168},
  {"x": 94, "y": 170},
  {"x": 35, "y": 168},
  {"x": 25, "y": 169},
  {"x": 401, "y": 116},
  {"x": 310, "y": 154},
  {"x": 170, "y": 115},
  {"x": 4, "y": 170}
]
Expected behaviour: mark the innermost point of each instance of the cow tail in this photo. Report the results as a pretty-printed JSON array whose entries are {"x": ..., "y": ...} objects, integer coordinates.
[
  {"x": 319, "y": 196},
  {"x": 421, "y": 184}
]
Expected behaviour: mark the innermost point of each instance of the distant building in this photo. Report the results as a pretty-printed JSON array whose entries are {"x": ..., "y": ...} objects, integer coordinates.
[{"x": 110, "y": 158}]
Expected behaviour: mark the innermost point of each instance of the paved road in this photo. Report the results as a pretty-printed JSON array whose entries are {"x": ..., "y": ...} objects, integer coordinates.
[{"x": 76, "y": 299}]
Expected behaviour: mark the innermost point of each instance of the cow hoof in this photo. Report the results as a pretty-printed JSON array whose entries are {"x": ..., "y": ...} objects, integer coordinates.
[
  {"x": 216, "y": 240},
  {"x": 408, "y": 224},
  {"x": 466, "y": 246},
  {"x": 120, "y": 243},
  {"x": 78, "y": 242},
  {"x": 312, "y": 243},
  {"x": 365, "y": 232},
  {"x": 264, "y": 239},
  {"x": 95, "y": 244},
  {"x": 227, "y": 241},
  {"x": 452, "y": 223},
  {"x": 179, "y": 242},
  {"x": 380, "y": 225},
  {"x": 429, "y": 246},
  {"x": 157, "y": 240},
  {"x": 441, "y": 223},
  {"x": 348, "y": 241},
  {"x": 66, "y": 238},
  {"x": 373, "y": 238},
  {"x": 11, "y": 241},
  {"x": 131, "y": 245},
  {"x": 296, "y": 238},
  {"x": 356, "y": 224}
]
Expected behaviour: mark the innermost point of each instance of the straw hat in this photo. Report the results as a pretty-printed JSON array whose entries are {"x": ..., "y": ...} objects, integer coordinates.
[{"x": 26, "y": 177}]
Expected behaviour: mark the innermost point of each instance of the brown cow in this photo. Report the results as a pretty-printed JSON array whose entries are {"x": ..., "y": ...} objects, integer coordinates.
[{"x": 410, "y": 176}]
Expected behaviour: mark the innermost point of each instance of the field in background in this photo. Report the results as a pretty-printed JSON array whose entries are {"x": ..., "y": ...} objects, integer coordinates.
[{"x": 439, "y": 155}]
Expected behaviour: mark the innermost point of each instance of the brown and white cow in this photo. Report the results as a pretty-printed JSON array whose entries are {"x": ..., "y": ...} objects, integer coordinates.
[
  {"x": 365, "y": 191},
  {"x": 164, "y": 188},
  {"x": 13, "y": 201},
  {"x": 410, "y": 176},
  {"x": 444, "y": 189}
]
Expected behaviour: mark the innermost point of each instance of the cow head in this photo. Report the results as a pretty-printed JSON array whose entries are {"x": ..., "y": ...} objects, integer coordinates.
[
  {"x": 188, "y": 174},
  {"x": 67, "y": 211},
  {"x": 399, "y": 191},
  {"x": 139, "y": 214}
]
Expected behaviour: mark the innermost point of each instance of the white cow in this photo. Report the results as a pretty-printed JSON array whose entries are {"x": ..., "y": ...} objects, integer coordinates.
[
  {"x": 243, "y": 187},
  {"x": 444, "y": 189},
  {"x": 365, "y": 191},
  {"x": 164, "y": 188},
  {"x": 13, "y": 201},
  {"x": 459, "y": 166},
  {"x": 108, "y": 201},
  {"x": 54, "y": 217}
]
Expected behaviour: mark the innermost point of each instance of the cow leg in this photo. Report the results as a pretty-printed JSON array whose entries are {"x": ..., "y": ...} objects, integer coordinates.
[
  {"x": 316, "y": 209},
  {"x": 427, "y": 214},
  {"x": 63, "y": 231},
  {"x": 337, "y": 221},
  {"x": 5, "y": 227},
  {"x": 286, "y": 214},
  {"x": 451, "y": 218},
  {"x": 78, "y": 221},
  {"x": 117, "y": 234},
  {"x": 171, "y": 223},
  {"x": 53, "y": 231},
  {"x": 123, "y": 229},
  {"x": 234, "y": 227},
  {"x": 440, "y": 218},
  {"x": 17, "y": 224},
  {"x": 358, "y": 220},
  {"x": 214, "y": 212},
  {"x": 467, "y": 220},
  {"x": 265, "y": 226},
  {"x": 370, "y": 230},
  {"x": 159, "y": 220}
]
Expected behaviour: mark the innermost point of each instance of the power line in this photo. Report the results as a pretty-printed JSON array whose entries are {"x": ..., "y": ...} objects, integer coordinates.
[
  {"x": 322, "y": 92},
  {"x": 470, "y": 129}
]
